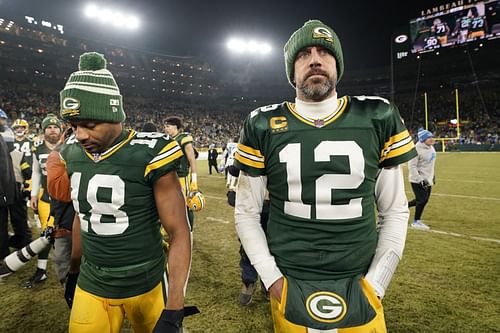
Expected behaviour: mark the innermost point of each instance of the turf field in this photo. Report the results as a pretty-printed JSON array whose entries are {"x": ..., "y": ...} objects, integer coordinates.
[{"x": 446, "y": 282}]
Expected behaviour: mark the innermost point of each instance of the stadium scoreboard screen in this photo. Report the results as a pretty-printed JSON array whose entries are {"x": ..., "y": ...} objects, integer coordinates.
[{"x": 447, "y": 25}]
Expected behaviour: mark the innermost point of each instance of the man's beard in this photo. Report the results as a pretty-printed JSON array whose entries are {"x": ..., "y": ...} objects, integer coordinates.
[
  {"x": 53, "y": 139},
  {"x": 317, "y": 91}
]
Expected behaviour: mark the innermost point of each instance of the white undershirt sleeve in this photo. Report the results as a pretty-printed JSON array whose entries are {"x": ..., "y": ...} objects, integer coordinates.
[
  {"x": 393, "y": 217},
  {"x": 250, "y": 195},
  {"x": 35, "y": 177}
]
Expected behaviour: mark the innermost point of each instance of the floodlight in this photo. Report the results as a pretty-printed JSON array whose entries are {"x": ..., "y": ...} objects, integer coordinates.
[
  {"x": 132, "y": 22},
  {"x": 91, "y": 11}
]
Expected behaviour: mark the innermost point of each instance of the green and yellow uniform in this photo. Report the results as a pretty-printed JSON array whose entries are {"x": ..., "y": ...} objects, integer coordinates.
[
  {"x": 25, "y": 146},
  {"x": 321, "y": 177},
  {"x": 41, "y": 152},
  {"x": 113, "y": 195},
  {"x": 184, "y": 138}
]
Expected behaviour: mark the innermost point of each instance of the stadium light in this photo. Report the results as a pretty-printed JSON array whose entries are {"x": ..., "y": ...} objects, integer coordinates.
[
  {"x": 248, "y": 46},
  {"x": 111, "y": 16}
]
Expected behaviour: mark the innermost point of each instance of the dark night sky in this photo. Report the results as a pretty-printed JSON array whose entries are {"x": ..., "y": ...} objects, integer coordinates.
[{"x": 201, "y": 28}]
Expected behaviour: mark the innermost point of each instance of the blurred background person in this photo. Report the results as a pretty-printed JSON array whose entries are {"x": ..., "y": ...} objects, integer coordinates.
[{"x": 421, "y": 176}]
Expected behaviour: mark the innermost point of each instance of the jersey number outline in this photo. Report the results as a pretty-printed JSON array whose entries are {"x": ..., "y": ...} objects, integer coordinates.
[
  {"x": 98, "y": 209},
  {"x": 325, "y": 210}
]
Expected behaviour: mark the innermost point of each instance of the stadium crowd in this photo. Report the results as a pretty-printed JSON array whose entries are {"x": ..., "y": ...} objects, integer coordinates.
[{"x": 217, "y": 121}]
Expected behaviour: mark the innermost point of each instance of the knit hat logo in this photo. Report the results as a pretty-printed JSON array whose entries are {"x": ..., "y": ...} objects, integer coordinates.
[
  {"x": 70, "y": 107},
  {"x": 322, "y": 32}
]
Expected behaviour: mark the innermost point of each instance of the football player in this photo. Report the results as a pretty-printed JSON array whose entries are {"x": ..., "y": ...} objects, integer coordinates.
[
  {"x": 187, "y": 171},
  {"x": 40, "y": 199},
  {"x": 462, "y": 26},
  {"x": 441, "y": 30},
  {"x": 22, "y": 143},
  {"x": 123, "y": 186},
  {"x": 478, "y": 25},
  {"x": 328, "y": 162}
]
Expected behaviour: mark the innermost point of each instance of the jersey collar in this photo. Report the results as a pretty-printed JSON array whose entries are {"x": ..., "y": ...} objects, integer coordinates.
[
  {"x": 320, "y": 122},
  {"x": 124, "y": 139}
]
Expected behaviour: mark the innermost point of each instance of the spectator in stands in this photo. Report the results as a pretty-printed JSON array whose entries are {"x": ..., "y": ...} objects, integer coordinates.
[{"x": 421, "y": 175}]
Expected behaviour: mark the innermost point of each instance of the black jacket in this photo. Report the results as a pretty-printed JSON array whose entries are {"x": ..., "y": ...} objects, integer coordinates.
[{"x": 8, "y": 188}]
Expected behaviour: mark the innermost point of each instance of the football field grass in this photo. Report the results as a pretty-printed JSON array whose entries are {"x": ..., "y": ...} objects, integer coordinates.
[{"x": 447, "y": 281}]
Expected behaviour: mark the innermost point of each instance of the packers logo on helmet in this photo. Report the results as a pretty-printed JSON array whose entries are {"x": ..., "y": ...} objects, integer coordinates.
[
  {"x": 196, "y": 201},
  {"x": 20, "y": 126}
]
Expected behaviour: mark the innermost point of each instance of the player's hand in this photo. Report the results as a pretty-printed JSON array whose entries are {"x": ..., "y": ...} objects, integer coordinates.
[
  {"x": 425, "y": 184},
  {"x": 69, "y": 288},
  {"x": 276, "y": 289},
  {"x": 170, "y": 321},
  {"x": 34, "y": 202},
  {"x": 193, "y": 187}
]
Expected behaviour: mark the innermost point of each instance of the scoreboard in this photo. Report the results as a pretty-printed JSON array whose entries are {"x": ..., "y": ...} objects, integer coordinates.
[{"x": 447, "y": 25}]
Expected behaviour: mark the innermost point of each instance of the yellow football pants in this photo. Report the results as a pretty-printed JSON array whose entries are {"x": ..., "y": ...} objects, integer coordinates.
[{"x": 91, "y": 313}]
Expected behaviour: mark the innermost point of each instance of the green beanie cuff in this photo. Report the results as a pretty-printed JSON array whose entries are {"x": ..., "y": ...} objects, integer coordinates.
[{"x": 312, "y": 33}]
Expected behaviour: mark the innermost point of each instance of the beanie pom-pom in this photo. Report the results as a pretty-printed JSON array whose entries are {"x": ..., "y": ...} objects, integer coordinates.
[{"x": 92, "y": 61}]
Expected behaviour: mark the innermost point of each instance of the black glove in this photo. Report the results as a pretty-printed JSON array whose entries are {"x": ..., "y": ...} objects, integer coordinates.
[
  {"x": 170, "y": 321},
  {"x": 69, "y": 288},
  {"x": 231, "y": 198}
]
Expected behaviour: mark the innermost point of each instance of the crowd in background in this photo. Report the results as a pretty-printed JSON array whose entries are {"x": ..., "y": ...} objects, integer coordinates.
[{"x": 213, "y": 121}]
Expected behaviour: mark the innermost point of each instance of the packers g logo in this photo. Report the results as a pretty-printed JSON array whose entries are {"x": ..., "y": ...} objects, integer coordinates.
[
  {"x": 70, "y": 106},
  {"x": 322, "y": 32},
  {"x": 326, "y": 307}
]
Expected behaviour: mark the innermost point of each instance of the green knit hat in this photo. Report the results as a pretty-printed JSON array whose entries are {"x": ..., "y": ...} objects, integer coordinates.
[
  {"x": 92, "y": 93},
  {"x": 313, "y": 32},
  {"x": 51, "y": 119}
]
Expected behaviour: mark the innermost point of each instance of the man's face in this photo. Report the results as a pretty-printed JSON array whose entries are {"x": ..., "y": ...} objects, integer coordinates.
[
  {"x": 95, "y": 137},
  {"x": 52, "y": 134},
  {"x": 315, "y": 74},
  {"x": 20, "y": 131},
  {"x": 171, "y": 129},
  {"x": 3, "y": 121}
]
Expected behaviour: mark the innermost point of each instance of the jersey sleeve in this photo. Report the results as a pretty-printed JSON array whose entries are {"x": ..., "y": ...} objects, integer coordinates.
[
  {"x": 249, "y": 156},
  {"x": 398, "y": 143},
  {"x": 164, "y": 161},
  {"x": 186, "y": 139},
  {"x": 58, "y": 183}
]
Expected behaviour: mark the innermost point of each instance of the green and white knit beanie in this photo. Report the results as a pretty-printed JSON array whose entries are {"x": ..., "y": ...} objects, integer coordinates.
[
  {"x": 51, "y": 119},
  {"x": 312, "y": 33},
  {"x": 92, "y": 93}
]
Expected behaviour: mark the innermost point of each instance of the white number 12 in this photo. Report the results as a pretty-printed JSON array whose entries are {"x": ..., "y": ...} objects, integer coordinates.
[{"x": 290, "y": 155}]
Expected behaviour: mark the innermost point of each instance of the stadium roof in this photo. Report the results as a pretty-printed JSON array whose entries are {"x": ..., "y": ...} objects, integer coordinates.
[{"x": 201, "y": 28}]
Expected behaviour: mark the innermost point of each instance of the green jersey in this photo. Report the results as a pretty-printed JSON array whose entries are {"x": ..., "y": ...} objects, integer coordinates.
[
  {"x": 41, "y": 153},
  {"x": 25, "y": 146},
  {"x": 113, "y": 195},
  {"x": 321, "y": 178},
  {"x": 183, "y": 139}
]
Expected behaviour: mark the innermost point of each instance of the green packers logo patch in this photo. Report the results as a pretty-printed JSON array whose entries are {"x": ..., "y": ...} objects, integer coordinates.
[
  {"x": 324, "y": 33},
  {"x": 71, "y": 107},
  {"x": 326, "y": 307}
]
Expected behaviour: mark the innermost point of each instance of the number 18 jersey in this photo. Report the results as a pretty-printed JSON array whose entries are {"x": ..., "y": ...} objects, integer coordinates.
[
  {"x": 321, "y": 178},
  {"x": 120, "y": 228}
]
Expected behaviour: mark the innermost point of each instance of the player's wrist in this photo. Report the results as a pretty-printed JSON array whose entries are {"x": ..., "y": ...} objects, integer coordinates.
[{"x": 194, "y": 178}]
